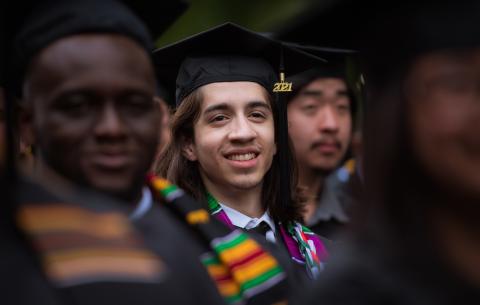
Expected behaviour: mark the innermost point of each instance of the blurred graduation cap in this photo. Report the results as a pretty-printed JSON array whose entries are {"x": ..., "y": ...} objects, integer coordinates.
[
  {"x": 388, "y": 33},
  {"x": 35, "y": 24},
  {"x": 336, "y": 66},
  {"x": 229, "y": 53}
]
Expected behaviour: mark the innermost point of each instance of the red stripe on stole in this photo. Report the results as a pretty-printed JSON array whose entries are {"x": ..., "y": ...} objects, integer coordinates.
[
  {"x": 246, "y": 259},
  {"x": 225, "y": 278}
]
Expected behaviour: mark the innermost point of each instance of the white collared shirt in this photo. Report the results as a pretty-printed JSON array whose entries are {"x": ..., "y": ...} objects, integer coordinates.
[
  {"x": 143, "y": 205},
  {"x": 246, "y": 222}
]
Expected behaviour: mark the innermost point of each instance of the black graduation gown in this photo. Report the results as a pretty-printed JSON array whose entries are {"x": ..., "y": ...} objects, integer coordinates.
[
  {"x": 379, "y": 272},
  {"x": 183, "y": 280},
  {"x": 21, "y": 280}
]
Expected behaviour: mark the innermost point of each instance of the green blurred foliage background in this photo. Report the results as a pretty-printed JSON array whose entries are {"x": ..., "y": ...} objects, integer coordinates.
[{"x": 256, "y": 15}]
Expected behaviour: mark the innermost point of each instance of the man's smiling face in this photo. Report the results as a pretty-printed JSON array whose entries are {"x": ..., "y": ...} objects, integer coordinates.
[{"x": 234, "y": 136}]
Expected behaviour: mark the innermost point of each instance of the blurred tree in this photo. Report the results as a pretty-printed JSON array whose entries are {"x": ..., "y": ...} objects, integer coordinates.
[{"x": 256, "y": 15}]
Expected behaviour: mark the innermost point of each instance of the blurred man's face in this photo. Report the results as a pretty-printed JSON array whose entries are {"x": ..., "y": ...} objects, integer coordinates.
[
  {"x": 93, "y": 114},
  {"x": 320, "y": 124},
  {"x": 443, "y": 91}
]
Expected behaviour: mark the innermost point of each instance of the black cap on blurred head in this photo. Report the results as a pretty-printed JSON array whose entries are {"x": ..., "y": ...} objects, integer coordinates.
[
  {"x": 336, "y": 66},
  {"x": 361, "y": 25},
  {"x": 36, "y": 24},
  {"x": 389, "y": 33},
  {"x": 52, "y": 20}
]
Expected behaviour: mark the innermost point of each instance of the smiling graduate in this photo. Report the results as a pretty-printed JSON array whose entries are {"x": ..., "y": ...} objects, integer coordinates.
[{"x": 230, "y": 147}]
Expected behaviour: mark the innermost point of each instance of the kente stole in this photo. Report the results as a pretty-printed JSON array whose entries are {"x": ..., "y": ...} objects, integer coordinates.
[
  {"x": 80, "y": 245},
  {"x": 241, "y": 269},
  {"x": 303, "y": 245}
]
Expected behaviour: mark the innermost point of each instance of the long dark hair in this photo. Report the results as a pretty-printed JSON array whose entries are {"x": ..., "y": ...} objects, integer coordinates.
[
  {"x": 183, "y": 172},
  {"x": 398, "y": 193}
]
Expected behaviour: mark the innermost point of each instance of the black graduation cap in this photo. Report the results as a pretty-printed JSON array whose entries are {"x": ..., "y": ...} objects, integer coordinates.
[
  {"x": 388, "y": 33},
  {"x": 339, "y": 65},
  {"x": 35, "y": 24},
  {"x": 230, "y": 52},
  {"x": 335, "y": 67}
]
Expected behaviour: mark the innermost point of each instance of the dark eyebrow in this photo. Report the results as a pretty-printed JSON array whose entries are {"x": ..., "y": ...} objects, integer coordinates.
[
  {"x": 259, "y": 104},
  {"x": 320, "y": 92},
  {"x": 312, "y": 92},
  {"x": 225, "y": 106},
  {"x": 222, "y": 106}
]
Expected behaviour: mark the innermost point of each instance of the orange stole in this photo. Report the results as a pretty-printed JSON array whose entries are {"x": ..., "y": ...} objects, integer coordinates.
[{"x": 79, "y": 246}]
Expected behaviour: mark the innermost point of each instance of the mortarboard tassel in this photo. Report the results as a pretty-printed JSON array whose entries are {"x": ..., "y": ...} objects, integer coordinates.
[{"x": 280, "y": 89}]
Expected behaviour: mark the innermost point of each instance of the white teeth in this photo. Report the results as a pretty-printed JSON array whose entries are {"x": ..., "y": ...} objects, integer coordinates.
[{"x": 242, "y": 157}]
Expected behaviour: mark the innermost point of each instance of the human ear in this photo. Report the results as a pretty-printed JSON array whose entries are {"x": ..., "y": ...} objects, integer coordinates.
[{"x": 188, "y": 151}]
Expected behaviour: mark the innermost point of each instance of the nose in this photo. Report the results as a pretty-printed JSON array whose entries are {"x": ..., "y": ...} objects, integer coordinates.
[
  {"x": 242, "y": 130},
  {"x": 109, "y": 124},
  {"x": 328, "y": 121}
]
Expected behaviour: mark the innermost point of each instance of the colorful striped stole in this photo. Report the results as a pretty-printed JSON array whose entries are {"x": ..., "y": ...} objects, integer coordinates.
[
  {"x": 241, "y": 269},
  {"x": 78, "y": 246},
  {"x": 303, "y": 245}
]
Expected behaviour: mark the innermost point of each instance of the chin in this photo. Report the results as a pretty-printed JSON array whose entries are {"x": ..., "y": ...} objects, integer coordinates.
[
  {"x": 324, "y": 167},
  {"x": 245, "y": 183}
]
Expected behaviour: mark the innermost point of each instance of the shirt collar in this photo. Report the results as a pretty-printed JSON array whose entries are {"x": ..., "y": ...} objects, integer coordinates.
[
  {"x": 329, "y": 206},
  {"x": 246, "y": 222},
  {"x": 143, "y": 205}
]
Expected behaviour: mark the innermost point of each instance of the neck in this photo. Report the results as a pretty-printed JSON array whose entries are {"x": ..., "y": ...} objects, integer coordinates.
[
  {"x": 311, "y": 183},
  {"x": 245, "y": 201}
]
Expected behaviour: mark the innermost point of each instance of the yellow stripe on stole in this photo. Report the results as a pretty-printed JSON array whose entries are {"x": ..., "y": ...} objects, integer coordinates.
[
  {"x": 228, "y": 288},
  {"x": 239, "y": 252},
  {"x": 97, "y": 252},
  {"x": 159, "y": 183},
  {"x": 93, "y": 266},
  {"x": 198, "y": 216},
  {"x": 217, "y": 271},
  {"x": 253, "y": 269},
  {"x": 39, "y": 220}
]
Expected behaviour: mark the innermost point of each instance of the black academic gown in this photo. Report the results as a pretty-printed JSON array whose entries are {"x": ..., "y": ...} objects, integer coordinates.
[
  {"x": 179, "y": 247},
  {"x": 183, "y": 280},
  {"x": 380, "y": 272},
  {"x": 297, "y": 278},
  {"x": 21, "y": 280}
]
